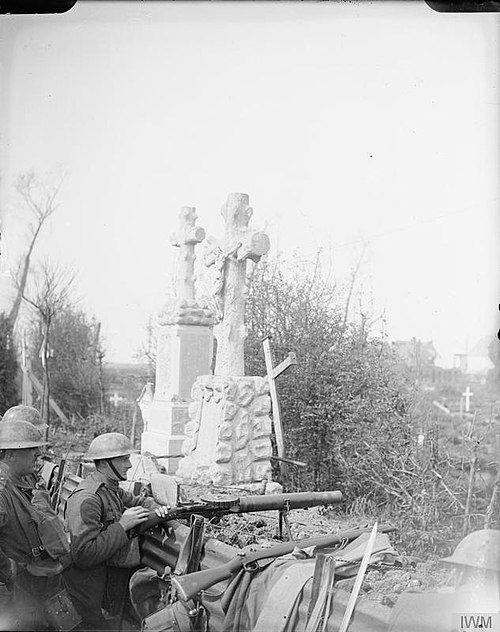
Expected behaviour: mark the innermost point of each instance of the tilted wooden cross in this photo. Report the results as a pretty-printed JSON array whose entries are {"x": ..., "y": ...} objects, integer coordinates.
[{"x": 272, "y": 374}]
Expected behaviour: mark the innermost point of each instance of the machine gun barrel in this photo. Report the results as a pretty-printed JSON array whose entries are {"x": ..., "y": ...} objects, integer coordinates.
[
  {"x": 246, "y": 504},
  {"x": 298, "y": 500},
  {"x": 187, "y": 586}
]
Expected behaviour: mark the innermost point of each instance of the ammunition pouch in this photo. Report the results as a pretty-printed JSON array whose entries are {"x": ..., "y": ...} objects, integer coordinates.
[
  {"x": 61, "y": 612},
  {"x": 177, "y": 617}
]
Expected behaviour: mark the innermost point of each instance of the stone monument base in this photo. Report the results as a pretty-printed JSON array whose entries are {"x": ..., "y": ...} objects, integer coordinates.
[
  {"x": 164, "y": 430},
  {"x": 159, "y": 444},
  {"x": 228, "y": 436}
]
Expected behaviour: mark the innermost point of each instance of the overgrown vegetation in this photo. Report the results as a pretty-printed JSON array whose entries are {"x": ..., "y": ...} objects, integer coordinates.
[
  {"x": 74, "y": 362},
  {"x": 351, "y": 411}
]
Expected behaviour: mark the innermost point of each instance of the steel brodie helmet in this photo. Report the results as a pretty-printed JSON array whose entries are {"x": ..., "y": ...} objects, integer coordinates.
[
  {"x": 109, "y": 446},
  {"x": 480, "y": 549},
  {"x": 18, "y": 435},
  {"x": 23, "y": 413}
]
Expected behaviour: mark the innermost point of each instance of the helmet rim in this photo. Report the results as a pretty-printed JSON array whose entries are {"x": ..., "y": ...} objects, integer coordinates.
[
  {"x": 20, "y": 435},
  {"x": 478, "y": 550}
]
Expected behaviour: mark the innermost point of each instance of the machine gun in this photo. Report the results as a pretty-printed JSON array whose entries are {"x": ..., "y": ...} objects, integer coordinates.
[
  {"x": 214, "y": 507},
  {"x": 187, "y": 586}
]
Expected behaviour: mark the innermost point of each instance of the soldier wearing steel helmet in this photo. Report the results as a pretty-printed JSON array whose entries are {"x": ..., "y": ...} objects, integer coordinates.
[
  {"x": 25, "y": 413},
  {"x": 476, "y": 561},
  {"x": 46, "y": 471},
  {"x": 101, "y": 517},
  {"x": 34, "y": 549}
]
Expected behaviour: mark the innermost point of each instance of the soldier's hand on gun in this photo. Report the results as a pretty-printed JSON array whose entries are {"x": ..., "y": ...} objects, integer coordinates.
[
  {"x": 162, "y": 512},
  {"x": 133, "y": 517}
]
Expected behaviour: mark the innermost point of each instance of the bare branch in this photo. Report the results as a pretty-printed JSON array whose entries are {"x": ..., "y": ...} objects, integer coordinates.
[
  {"x": 50, "y": 288},
  {"x": 352, "y": 283},
  {"x": 39, "y": 199}
]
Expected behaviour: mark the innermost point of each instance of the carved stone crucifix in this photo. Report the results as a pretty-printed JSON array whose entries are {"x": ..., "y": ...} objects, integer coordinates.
[
  {"x": 186, "y": 239},
  {"x": 240, "y": 243}
]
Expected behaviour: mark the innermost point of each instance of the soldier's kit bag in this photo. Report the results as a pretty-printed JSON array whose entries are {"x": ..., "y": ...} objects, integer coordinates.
[{"x": 128, "y": 556}]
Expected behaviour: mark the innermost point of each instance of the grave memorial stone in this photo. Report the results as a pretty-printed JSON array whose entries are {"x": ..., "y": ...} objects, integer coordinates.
[{"x": 184, "y": 351}]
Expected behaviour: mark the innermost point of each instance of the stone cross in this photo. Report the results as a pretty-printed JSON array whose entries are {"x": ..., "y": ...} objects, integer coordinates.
[
  {"x": 468, "y": 394},
  {"x": 186, "y": 239},
  {"x": 230, "y": 258}
]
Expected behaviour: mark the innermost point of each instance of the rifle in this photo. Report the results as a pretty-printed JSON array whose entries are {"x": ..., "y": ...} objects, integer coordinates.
[
  {"x": 217, "y": 506},
  {"x": 187, "y": 586}
]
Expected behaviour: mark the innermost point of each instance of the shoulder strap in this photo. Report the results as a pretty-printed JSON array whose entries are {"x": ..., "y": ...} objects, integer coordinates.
[
  {"x": 86, "y": 485},
  {"x": 30, "y": 529},
  {"x": 190, "y": 553}
]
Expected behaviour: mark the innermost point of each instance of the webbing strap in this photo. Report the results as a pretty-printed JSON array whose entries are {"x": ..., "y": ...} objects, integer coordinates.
[
  {"x": 321, "y": 609},
  {"x": 190, "y": 553},
  {"x": 30, "y": 529}
]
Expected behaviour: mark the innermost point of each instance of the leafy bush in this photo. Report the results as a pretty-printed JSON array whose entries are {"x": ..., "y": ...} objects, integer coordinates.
[
  {"x": 75, "y": 362},
  {"x": 351, "y": 411}
]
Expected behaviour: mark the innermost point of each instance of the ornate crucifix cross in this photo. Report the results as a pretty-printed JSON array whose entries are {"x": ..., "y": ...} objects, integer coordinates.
[{"x": 239, "y": 244}]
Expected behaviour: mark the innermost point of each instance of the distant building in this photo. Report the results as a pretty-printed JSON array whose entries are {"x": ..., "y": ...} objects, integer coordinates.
[
  {"x": 419, "y": 356},
  {"x": 476, "y": 361}
]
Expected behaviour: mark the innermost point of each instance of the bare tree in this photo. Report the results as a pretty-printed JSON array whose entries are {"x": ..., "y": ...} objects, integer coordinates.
[
  {"x": 48, "y": 292},
  {"x": 39, "y": 200},
  {"x": 352, "y": 282}
]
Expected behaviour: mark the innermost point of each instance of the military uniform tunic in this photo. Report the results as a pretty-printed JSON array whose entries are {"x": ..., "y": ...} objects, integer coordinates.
[
  {"x": 92, "y": 514},
  {"x": 29, "y": 592}
]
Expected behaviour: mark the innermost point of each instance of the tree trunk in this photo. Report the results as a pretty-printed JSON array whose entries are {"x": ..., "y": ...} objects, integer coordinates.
[
  {"x": 45, "y": 407},
  {"x": 14, "y": 312}
]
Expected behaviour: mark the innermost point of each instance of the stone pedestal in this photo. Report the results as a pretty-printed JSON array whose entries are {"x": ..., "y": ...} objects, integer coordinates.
[
  {"x": 228, "y": 436},
  {"x": 184, "y": 352}
]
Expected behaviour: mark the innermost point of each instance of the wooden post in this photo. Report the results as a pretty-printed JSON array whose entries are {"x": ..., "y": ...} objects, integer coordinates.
[
  {"x": 490, "y": 510},
  {"x": 134, "y": 423},
  {"x": 272, "y": 373},
  {"x": 470, "y": 490},
  {"x": 274, "y": 399},
  {"x": 39, "y": 388},
  {"x": 27, "y": 394}
]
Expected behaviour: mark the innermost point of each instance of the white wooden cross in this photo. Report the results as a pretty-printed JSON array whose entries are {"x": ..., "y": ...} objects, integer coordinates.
[
  {"x": 272, "y": 374},
  {"x": 115, "y": 399},
  {"x": 468, "y": 394}
]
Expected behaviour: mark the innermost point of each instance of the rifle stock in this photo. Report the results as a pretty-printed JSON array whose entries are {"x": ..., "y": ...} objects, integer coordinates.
[
  {"x": 187, "y": 586},
  {"x": 246, "y": 504}
]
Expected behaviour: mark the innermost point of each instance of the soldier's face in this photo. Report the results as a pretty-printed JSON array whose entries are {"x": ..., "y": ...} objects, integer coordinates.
[
  {"x": 122, "y": 465},
  {"x": 23, "y": 462}
]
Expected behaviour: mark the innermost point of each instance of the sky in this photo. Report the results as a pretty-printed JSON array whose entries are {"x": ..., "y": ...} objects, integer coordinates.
[{"x": 354, "y": 127}]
